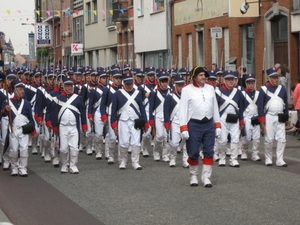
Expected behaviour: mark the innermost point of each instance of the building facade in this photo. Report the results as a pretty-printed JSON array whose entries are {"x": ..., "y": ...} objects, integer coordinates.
[
  {"x": 257, "y": 38},
  {"x": 100, "y": 39}
]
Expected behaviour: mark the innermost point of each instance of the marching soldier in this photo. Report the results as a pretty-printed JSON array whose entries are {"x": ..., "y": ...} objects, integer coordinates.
[
  {"x": 156, "y": 117},
  {"x": 94, "y": 114},
  {"x": 171, "y": 117},
  {"x": 22, "y": 126},
  {"x": 252, "y": 127},
  {"x": 199, "y": 124},
  {"x": 6, "y": 90},
  {"x": 128, "y": 118},
  {"x": 105, "y": 110},
  {"x": 230, "y": 101},
  {"x": 30, "y": 93},
  {"x": 148, "y": 86},
  {"x": 67, "y": 114},
  {"x": 42, "y": 95},
  {"x": 273, "y": 114}
]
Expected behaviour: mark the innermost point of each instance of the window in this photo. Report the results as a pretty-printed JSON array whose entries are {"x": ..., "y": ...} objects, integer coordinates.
[
  {"x": 89, "y": 13},
  {"x": 281, "y": 29},
  {"x": 109, "y": 7},
  {"x": 158, "y": 5},
  {"x": 95, "y": 12},
  {"x": 296, "y": 5},
  {"x": 78, "y": 29},
  {"x": 179, "y": 53},
  {"x": 90, "y": 56},
  {"x": 248, "y": 47},
  {"x": 140, "y": 7}
]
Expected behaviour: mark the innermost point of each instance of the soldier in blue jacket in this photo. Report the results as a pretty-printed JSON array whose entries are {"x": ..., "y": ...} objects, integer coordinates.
[
  {"x": 171, "y": 117},
  {"x": 273, "y": 114},
  {"x": 21, "y": 115},
  {"x": 105, "y": 110},
  {"x": 6, "y": 90},
  {"x": 128, "y": 118},
  {"x": 67, "y": 114},
  {"x": 94, "y": 114},
  {"x": 230, "y": 101}
]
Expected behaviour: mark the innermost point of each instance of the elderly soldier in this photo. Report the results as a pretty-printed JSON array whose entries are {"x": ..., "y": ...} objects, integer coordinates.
[
  {"x": 199, "y": 123},
  {"x": 156, "y": 117},
  {"x": 128, "y": 118},
  {"x": 273, "y": 114},
  {"x": 94, "y": 114},
  {"x": 42, "y": 94},
  {"x": 67, "y": 112},
  {"x": 230, "y": 101},
  {"x": 251, "y": 118},
  {"x": 6, "y": 90},
  {"x": 105, "y": 110},
  {"x": 22, "y": 125},
  {"x": 171, "y": 117}
]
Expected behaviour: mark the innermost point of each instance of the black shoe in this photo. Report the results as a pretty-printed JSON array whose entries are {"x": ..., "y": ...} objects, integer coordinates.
[
  {"x": 284, "y": 165},
  {"x": 122, "y": 168},
  {"x": 24, "y": 175},
  {"x": 146, "y": 156},
  {"x": 14, "y": 175},
  {"x": 235, "y": 166},
  {"x": 110, "y": 163},
  {"x": 194, "y": 185},
  {"x": 5, "y": 169},
  {"x": 222, "y": 165},
  {"x": 99, "y": 158},
  {"x": 34, "y": 153},
  {"x": 139, "y": 168},
  {"x": 90, "y": 154},
  {"x": 56, "y": 165},
  {"x": 208, "y": 186},
  {"x": 172, "y": 166},
  {"x": 269, "y": 164}
]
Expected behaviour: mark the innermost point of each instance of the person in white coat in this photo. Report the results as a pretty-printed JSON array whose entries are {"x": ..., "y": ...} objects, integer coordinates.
[{"x": 199, "y": 123}]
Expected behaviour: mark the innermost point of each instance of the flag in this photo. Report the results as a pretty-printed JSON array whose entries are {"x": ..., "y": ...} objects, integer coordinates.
[
  {"x": 48, "y": 12},
  {"x": 8, "y": 12}
]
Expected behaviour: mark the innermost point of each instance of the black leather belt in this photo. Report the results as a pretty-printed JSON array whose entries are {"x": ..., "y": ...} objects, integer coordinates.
[{"x": 204, "y": 120}]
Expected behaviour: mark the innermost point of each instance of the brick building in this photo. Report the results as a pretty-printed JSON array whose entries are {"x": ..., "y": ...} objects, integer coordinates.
[{"x": 257, "y": 39}]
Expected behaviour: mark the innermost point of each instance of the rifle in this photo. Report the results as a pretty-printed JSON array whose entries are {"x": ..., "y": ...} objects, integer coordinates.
[{"x": 6, "y": 89}]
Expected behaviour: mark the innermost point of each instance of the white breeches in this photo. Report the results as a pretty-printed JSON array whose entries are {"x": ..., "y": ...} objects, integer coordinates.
[
  {"x": 128, "y": 135},
  {"x": 274, "y": 129},
  {"x": 68, "y": 138}
]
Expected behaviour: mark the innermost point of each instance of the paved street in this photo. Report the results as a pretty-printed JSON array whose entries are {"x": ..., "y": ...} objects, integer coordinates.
[{"x": 158, "y": 194}]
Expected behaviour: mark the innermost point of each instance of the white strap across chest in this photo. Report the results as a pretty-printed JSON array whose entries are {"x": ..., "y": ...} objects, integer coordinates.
[
  {"x": 273, "y": 96},
  {"x": 176, "y": 108},
  {"x": 66, "y": 105},
  {"x": 252, "y": 103},
  {"x": 228, "y": 99},
  {"x": 130, "y": 100}
]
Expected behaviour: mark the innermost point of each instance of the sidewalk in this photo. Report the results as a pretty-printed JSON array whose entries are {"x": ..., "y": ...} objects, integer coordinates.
[{"x": 3, "y": 219}]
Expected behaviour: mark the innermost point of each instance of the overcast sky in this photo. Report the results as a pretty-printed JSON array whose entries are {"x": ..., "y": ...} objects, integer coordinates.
[{"x": 21, "y": 11}]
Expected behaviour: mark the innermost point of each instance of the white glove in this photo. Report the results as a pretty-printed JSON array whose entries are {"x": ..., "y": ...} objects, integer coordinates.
[
  {"x": 185, "y": 135},
  {"x": 218, "y": 132}
]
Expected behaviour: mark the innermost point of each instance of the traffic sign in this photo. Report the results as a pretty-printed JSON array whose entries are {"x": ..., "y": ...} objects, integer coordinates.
[{"x": 216, "y": 32}]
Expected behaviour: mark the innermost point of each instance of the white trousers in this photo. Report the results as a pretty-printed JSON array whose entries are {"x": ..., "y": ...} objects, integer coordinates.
[
  {"x": 68, "y": 138},
  {"x": 128, "y": 135}
]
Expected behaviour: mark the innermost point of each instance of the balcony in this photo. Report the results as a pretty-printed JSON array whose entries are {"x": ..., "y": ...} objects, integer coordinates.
[
  {"x": 78, "y": 4},
  {"x": 120, "y": 11}
]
